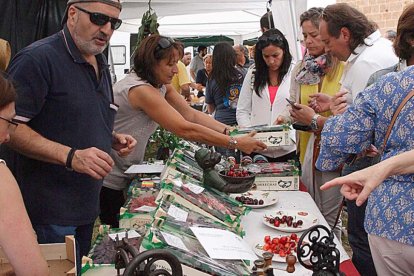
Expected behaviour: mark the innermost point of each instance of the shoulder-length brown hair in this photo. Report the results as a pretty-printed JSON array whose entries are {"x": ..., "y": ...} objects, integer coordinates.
[
  {"x": 151, "y": 51},
  {"x": 7, "y": 92},
  {"x": 405, "y": 33}
]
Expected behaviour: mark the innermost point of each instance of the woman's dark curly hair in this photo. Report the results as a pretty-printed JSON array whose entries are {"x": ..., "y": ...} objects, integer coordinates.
[
  {"x": 7, "y": 92},
  {"x": 341, "y": 15},
  {"x": 261, "y": 75},
  {"x": 152, "y": 50},
  {"x": 224, "y": 66},
  {"x": 405, "y": 34}
]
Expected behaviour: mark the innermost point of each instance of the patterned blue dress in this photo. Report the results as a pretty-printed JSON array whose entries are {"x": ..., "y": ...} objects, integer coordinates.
[{"x": 390, "y": 209}]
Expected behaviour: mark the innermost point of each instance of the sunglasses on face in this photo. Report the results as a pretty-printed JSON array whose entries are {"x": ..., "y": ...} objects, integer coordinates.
[
  {"x": 164, "y": 43},
  {"x": 101, "y": 19},
  {"x": 11, "y": 123}
]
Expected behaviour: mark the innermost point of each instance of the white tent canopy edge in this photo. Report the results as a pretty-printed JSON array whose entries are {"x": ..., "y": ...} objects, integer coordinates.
[{"x": 238, "y": 19}]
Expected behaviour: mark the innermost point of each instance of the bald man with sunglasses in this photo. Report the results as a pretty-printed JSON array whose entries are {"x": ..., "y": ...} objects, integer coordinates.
[{"x": 59, "y": 153}]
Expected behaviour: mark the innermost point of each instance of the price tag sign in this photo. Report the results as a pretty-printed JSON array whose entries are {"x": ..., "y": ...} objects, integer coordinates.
[
  {"x": 177, "y": 213},
  {"x": 194, "y": 188}
]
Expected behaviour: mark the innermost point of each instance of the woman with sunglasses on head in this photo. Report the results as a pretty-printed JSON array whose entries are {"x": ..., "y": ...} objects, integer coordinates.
[
  {"x": 317, "y": 73},
  {"x": 17, "y": 237},
  {"x": 146, "y": 99},
  {"x": 265, "y": 89}
]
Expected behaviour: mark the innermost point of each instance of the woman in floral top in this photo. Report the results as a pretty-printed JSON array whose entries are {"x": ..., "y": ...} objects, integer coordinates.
[{"x": 389, "y": 218}]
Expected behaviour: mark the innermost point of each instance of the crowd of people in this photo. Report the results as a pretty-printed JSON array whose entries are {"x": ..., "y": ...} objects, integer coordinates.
[{"x": 68, "y": 135}]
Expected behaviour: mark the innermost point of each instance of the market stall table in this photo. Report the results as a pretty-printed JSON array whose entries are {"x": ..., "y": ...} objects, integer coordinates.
[{"x": 256, "y": 230}]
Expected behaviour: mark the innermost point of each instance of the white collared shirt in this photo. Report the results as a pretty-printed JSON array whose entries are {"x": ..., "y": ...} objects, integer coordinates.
[{"x": 366, "y": 61}]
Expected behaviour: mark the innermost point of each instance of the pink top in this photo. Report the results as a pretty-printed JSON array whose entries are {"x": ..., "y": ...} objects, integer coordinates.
[{"x": 273, "y": 92}]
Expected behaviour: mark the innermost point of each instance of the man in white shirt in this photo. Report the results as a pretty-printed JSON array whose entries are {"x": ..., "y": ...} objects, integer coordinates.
[{"x": 351, "y": 37}]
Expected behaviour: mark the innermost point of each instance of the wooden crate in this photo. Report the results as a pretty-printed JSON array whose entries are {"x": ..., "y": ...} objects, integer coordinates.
[{"x": 59, "y": 256}]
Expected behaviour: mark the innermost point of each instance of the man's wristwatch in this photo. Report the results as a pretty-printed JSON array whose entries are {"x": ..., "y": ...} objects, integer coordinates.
[
  {"x": 314, "y": 122},
  {"x": 232, "y": 143}
]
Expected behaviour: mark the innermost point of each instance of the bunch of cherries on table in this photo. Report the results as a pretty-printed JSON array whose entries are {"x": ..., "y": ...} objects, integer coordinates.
[
  {"x": 249, "y": 201},
  {"x": 283, "y": 246},
  {"x": 236, "y": 172},
  {"x": 284, "y": 220}
]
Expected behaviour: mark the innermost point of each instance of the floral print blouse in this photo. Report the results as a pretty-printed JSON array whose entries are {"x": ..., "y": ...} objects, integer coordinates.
[{"x": 390, "y": 209}]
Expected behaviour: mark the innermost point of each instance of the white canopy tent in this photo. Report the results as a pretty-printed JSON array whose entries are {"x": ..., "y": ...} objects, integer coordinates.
[
  {"x": 238, "y": 19},
  {"x": 235, "y": 18}
]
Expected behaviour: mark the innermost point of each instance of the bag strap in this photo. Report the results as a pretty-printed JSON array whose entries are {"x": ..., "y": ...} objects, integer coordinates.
[{"x": 394, "y": 117}]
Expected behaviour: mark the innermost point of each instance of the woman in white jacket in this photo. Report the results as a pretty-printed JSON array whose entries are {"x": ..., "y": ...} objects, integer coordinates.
[{"x": 265, "y": 89}]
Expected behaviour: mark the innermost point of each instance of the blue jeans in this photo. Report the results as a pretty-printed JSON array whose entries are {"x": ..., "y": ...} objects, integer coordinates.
[
  {"x": 49, "y": 233},
  {"x": 357, "y": 237}
]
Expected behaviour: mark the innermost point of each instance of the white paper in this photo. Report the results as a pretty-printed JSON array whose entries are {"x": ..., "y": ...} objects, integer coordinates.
[
  {"x": 174, "y": 241},
  {"x": 194, "y": 188},
  {"x": 177, "y": 182},
  {"x": 145, "y": 208},
  {"x": 121, "y": 235},
  {"x": 222, "y": 244},
  {"x": 177, "y": 213},
  {"x": 145, "y": 168}
]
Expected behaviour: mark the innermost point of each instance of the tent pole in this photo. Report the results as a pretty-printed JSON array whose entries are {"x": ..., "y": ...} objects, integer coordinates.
[{"x": 292, "y": 8}]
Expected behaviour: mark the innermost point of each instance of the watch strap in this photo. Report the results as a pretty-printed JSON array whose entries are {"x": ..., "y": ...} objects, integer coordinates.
[{"x": 69, "y": 159}]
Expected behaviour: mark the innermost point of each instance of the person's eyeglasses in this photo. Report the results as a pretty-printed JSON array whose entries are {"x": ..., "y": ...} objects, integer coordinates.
[
  {"x": 12, "y": 125},
  {"x": 164, "y": 43},
  {"x": 271, "y": 38},
  {"x": 101, "y": 19}
]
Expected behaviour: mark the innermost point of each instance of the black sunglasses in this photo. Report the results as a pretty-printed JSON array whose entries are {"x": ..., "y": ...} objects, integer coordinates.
[
  {"x": 164, "y": 43},
  {"x": 11, "y": 123},
  {"x": 101, "y": 19},
  {"x": 271, "y": 38}
]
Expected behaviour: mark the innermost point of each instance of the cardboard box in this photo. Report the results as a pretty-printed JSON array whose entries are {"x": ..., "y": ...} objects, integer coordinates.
[
  {"x": 59, "y": 256},
  {"x": 277, "y": 183},
  {"x": 272, "y": 136},
  {"x": 277, "y": 176}
]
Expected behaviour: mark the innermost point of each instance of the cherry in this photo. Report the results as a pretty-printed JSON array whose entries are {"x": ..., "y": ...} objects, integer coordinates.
[
  {"x": 276, "y": 223},
  {"x": 283, "y": 240}
]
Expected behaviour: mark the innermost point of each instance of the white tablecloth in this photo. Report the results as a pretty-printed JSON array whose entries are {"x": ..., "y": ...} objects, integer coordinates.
[{"x": 256, "y": 230}]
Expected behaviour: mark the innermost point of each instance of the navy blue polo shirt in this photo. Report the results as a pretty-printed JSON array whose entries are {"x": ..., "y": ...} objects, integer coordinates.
[{"x": 61, "y": 98}]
